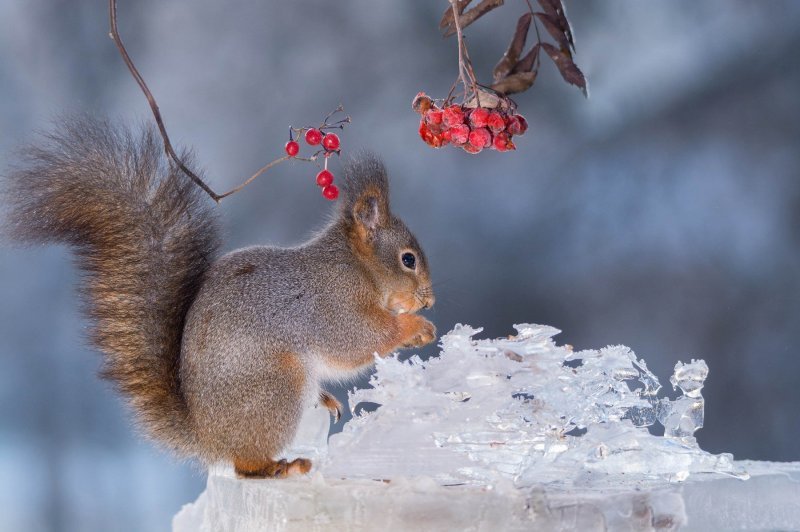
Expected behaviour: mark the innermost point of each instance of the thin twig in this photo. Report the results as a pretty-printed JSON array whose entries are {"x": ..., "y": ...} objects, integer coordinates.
[
  {"x": 114, "y": 34},
  {"x": 252, "y": 177},
  {"x": 465, "y": 71}
]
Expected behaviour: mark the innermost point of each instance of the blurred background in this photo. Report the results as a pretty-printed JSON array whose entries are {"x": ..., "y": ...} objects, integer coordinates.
[{"x": 662, "y": 213}]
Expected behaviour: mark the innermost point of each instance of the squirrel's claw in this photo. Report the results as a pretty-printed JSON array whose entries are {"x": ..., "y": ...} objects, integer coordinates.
[{"x": 332, "y": 404}]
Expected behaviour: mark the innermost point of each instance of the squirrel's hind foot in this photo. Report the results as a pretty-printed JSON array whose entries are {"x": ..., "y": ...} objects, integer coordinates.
[{"x": 272, "y": 468}]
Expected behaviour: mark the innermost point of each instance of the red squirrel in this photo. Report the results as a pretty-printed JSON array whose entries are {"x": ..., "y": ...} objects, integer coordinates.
[{"x": 219, "y": 355}]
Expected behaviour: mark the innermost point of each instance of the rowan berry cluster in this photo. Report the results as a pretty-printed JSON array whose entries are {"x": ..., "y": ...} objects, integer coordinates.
[
  {"x": 469, "y": 128},
  {"x": 330, "y": 144}
]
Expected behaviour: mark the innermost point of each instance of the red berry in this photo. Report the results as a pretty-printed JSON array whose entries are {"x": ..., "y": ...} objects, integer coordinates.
[
  {"x": 469, "y": 148},
  {"x": 479, "y": 117},
  {"x": 502, "y": 142},
  {"x": 292, "y": 148},
  {"x": 324, "y": 178},
  {"x": 517, "y": 125},
  {"x": 453, "y": 116},
  {"x": 330, "y": 141},
  {"x": 424, "y": 132},
  {"x": 480, "y": 138},
  {"x": 459, "y": 135},
  {"x": 496, "y": 122},
  {"x": 313, "y": 136},
  {"x": 330, "y": 192},
  {"x": 447, "y": 135},
  {"x": 434, "y": 117},
  {"x": 523, "y": 124}
]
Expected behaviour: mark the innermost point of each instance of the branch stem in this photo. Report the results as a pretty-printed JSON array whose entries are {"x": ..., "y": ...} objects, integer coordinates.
[{"x": 114, "y": 34}]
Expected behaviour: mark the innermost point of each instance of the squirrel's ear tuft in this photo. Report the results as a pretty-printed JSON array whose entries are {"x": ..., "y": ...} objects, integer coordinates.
[{"x": 366, "y": 191}]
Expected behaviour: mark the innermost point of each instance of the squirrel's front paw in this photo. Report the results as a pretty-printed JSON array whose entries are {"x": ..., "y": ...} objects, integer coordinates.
[{"x": 423, "y": 332}]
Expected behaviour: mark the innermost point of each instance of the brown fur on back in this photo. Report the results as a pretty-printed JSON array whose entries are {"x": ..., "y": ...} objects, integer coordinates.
[{"x": 143, "y": 237}]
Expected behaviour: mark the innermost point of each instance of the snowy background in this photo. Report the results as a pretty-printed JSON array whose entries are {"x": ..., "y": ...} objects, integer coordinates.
[{"x": 662, "y": 213}]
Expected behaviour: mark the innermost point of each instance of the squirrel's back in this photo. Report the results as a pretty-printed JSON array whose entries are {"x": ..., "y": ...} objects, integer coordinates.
[{"x": 144, "y": 237}]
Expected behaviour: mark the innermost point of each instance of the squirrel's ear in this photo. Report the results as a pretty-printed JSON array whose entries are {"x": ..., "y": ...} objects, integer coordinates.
[
  {"x": 369, "y": 212},
  {"x": 366, "y": 190}
]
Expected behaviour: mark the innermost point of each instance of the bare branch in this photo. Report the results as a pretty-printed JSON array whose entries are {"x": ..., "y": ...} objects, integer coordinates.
[{"x": 114, "y": 34}]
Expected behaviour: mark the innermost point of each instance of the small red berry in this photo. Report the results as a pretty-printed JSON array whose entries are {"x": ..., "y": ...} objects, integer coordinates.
[
  {"x": 480, "y": 138},
  {"x": 496, "y": 122},
  {"x": 292, "y": 148},
  {"x": 324, "y": 178},
  {"x": 434, "y": 117},
  {"x": 313, "y": 136},
  {"x": 469, "y": 148},
  {"x": 330, "y": 192},
  {"x": 447, "y": 135},
  {"x": 424, "y": 132},
  {"x": 330, "y": 141},
  {"x": 453, "y": 116},
  {"x": 523, "y": 124},
  {"x": 517, "y": 125},
  {"x": 479, "y": 117},
  {"x": 459, "y": 135},
  {"x": 502, "y": 142}
]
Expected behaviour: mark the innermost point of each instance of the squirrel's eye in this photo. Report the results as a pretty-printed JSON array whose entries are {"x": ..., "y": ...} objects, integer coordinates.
[{"x": 409, "y": 260}]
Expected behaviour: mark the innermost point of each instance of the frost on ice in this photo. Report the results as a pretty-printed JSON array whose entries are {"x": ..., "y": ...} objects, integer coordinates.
[
  {"x": 510, "y": 434},
  {"x": 528, "y": 410}
]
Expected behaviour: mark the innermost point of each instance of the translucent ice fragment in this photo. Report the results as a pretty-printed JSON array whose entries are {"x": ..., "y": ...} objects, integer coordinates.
[{"x": 683, "y": 416}]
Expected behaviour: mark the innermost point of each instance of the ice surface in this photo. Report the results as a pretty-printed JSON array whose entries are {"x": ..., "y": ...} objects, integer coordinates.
[{"x": 503, "y": 433}]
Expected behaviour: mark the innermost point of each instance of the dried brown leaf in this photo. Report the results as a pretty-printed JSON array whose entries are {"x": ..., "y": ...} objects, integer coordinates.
[
  {"x": 569, "y": 70},
  {"x": 510, "y": 58},
  {"x": 514, "y": 83},
  {"x": 472, "y": 15},
  {"x": 554, "y": 28},
  {"x": 550, "y": 7},
  {"x": 526, "y": 63},
  {"x": 557, "y": 15},
  {"x": 447, "y": 17}
]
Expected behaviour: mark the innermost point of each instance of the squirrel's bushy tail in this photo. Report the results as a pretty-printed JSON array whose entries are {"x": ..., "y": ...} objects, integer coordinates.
[{"x": 144, "y": 237}]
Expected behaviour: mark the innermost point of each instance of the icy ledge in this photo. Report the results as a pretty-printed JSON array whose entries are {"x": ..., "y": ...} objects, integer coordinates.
[{"x": 510, "y": 434}]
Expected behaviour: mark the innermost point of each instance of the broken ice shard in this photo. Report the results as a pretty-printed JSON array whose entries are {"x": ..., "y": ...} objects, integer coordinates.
[{"x": 683, "y": 416}]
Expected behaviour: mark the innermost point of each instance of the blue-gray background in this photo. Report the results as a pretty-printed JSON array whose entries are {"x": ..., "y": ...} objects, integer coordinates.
[{"x": 662, "y": 213}]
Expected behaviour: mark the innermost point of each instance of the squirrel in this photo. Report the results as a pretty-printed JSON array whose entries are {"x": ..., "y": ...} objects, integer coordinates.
[{"x": 218, "y": 356}]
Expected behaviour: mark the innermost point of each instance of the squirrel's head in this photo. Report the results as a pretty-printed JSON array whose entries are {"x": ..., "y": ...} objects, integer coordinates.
[{"x": 389, "y": 251}]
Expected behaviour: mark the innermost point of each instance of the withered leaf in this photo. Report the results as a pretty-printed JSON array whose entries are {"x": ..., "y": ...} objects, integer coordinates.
[
  {"x": 550, "y": 7},
  {"x": 569, "y": 70},
  {"x": 553, "y": 27},
  {"x": 526, "y": 63},
  {"x": 510, "y": 58},
  {"x": 472, "y": 15},
  {"x": 557, "y": 15},
  {"x": 447, "y": 17},
  {"x": 514, "y": 83}
]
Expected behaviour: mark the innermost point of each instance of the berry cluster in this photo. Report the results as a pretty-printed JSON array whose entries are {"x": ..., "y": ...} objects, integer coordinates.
[
  {"x": 469, "y": 128},
  {"x": 330, "y": 145}
]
